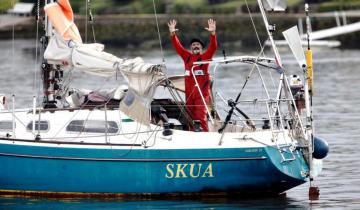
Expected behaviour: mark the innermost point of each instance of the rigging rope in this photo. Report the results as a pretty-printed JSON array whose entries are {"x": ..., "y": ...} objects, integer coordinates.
[
  {"x": 86, "y": 19},
  {"x": 158, "y": 31},
  {"x": 89, "y": 17},
  {"x": 13, "y": 39},
  {"x": 252, "y": 22}
]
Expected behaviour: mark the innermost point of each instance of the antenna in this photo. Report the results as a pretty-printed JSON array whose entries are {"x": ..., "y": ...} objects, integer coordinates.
[
  {"x": 313, "y": 190},
  {"x": 307, "y": 25}
]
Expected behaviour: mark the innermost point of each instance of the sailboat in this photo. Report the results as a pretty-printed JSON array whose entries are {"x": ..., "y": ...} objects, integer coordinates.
[{"x": 124, "y": 141}]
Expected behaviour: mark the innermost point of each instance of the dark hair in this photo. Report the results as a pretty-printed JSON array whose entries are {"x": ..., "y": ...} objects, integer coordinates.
[{"x": 197, "y": 40}]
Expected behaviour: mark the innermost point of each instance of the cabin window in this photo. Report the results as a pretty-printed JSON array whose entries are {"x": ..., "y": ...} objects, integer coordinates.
[
  {"x": 92, "y": 126},
  {"x": 6, "y": 125},
  {"x": 41, "y": 125}
]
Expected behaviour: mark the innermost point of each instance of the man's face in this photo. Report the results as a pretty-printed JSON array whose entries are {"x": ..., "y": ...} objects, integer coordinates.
[{"x": 196, "y": 48}]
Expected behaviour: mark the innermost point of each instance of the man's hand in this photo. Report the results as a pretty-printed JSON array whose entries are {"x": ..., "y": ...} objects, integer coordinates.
[
  {"x": 172, "y": 27},
  {"x": 212, "y": 26}
]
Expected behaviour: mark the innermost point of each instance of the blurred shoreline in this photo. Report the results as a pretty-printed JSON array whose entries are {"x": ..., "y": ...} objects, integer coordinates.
[{"x": 140, "y": 30}]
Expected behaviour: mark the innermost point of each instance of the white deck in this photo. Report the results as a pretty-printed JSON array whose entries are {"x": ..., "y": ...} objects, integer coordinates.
[{"x": 129, "y": 132}]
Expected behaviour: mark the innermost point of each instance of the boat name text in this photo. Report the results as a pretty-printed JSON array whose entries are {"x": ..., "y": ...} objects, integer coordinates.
[{"x": 188, "y": 170}]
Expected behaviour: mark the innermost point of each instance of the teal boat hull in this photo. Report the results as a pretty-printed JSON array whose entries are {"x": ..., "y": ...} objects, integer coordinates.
[{"x": 41, "y": 168}]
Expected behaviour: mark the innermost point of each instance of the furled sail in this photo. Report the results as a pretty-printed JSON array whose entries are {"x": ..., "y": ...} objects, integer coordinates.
[{"x": 66, "y": 49}]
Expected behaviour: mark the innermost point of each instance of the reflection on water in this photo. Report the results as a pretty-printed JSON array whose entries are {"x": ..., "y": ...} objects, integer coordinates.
[
  {"x": 337, "y": 119},
  {"x": 209, "y": 203}
]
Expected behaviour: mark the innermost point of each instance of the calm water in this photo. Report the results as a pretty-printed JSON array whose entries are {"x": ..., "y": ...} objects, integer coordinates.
[{"x": 337, "y": 115}]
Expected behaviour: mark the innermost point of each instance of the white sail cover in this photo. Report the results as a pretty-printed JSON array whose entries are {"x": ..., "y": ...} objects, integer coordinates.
[
  {"x": 66, "y": 49},
  {"x": 143, "y": 80},
  {"x": 90, "y": 58},
  {"x": 142, "y": 77}
]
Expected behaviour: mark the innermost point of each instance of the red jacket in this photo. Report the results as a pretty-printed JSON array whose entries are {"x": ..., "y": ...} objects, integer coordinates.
[{"x": 202, "y": 76}]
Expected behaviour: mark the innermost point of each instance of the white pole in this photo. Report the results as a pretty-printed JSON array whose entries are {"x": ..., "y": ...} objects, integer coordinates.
[
  {"x": 215, "y": 87},
  {"x": 313, "y": 190},
  {"x": 34, "y": 115},
  {"x": 300, "y": 26},
  {"x": 39, "y": 120},
  {"x": 309, "y": 123},
  {"x": 13, "y": 116},
  {"x": 201, "y": 95},
  {"x": 106, "y": 125},
  {"x": 337, "y": 19},
  {"x": 343, "y": 15}
]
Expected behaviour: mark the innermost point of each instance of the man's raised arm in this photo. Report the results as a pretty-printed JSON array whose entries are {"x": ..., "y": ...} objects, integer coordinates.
[
  {"x": 213, "y": 41},
  {"x": 176, "y": 42}
]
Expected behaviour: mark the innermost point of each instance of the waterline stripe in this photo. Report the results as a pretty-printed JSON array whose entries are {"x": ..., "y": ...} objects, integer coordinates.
[
  {"x": 53, "y": 194},
  {"x": 133, "y": 159}
]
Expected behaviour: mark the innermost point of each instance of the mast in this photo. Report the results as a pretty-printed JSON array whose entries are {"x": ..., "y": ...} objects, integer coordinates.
[
  {"x": 270, "y": 30},
  {"x": 51, "y": 75}
]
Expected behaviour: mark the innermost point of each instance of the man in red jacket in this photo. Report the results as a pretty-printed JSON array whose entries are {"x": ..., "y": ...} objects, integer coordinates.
[{"x": 194, "y": 101}]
